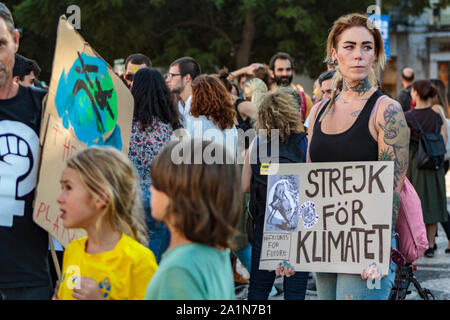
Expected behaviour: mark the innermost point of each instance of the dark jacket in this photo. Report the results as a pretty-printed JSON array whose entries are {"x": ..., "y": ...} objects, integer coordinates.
[{"x": 404, "y": 98}]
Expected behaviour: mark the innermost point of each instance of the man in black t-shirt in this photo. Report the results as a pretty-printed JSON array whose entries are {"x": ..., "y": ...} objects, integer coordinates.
[{"x": 24, "y": 270}]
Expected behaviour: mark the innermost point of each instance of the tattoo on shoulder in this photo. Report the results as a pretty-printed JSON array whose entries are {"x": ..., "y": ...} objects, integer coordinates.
[{"x": 395, "y": 131}]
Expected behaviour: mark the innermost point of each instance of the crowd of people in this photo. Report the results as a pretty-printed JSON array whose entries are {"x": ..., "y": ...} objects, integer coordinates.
[{"x": 160, "y": 227}]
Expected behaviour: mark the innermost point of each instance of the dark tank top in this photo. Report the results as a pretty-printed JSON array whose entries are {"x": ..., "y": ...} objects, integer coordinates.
[
  {"x": 243, "y": 124},
  {"x": 354, "y": 144}
]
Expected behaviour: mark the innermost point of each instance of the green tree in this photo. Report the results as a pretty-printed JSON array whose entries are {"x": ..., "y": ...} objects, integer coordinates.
[{"x": 216, "y": 32}]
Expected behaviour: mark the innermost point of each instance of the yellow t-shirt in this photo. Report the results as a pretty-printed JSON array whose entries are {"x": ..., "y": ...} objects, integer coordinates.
[{"x": 122, "y": 273}]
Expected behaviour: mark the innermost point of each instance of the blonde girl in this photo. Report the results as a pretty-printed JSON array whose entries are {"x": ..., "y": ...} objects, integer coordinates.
[{"x": 100, "y": 194}]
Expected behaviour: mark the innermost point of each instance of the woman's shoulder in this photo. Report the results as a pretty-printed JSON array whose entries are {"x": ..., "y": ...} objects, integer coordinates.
[
  {"x": 316, "y": 108},
  {"x": 159, "y": 130},
  {"x": 386, "y": 107},
  {"x": 318, "y": 105},
  {"x": 159, "y": 124},
  {"x": 438, "y": 109},
  {"x": 387, "y": 102}
]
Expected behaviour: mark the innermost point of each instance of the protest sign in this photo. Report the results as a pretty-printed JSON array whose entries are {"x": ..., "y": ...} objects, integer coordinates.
[
  {"x": 60, "y": 145},
  {"x": 87, "y": 104},
  {"x": 329, "y": 217}
]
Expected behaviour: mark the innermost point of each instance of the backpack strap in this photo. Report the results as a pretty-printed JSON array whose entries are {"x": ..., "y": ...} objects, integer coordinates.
[
  {"x": 322, "y": 104},
  {"x": 375, "y": 110}
]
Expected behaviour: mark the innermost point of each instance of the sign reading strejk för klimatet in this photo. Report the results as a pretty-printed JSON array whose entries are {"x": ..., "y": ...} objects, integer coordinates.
[{"x": 328, "y": 217}]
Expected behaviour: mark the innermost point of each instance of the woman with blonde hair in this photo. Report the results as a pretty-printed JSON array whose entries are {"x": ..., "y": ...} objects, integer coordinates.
[
  {"x": 100, "y": 193},
  {"x": 277, "y": 119},
  {"x": 254, "y": 90},
  {"x": 359, "y": 124}
]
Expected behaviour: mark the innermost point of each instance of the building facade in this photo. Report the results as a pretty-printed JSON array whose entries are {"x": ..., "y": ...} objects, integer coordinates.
[{"x": 422, "y": 43}]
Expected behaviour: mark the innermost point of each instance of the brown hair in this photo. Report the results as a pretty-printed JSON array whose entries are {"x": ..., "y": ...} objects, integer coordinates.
[
  {"x": 425, "y": 89},
  {"x": 297, "y": 98},
  {"x": 210, "y": 98},
  {"x": 223, "y": 77},
  {"x": 205, "y": 199},
  {"x": 263, "y": 74},
  {"x": 340, "y": 25},
  {"x": 277, "y": 111},
  {"x": 109, "y": 174}
]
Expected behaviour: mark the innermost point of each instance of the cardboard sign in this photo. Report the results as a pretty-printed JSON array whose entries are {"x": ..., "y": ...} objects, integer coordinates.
[
  {"x": 60, "y": 145},
  {"x": 87, "y": 105},
  {"x": 329, "y": 217}
]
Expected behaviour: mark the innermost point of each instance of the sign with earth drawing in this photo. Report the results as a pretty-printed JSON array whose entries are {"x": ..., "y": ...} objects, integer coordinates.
[{"x": 87, "y": 105}]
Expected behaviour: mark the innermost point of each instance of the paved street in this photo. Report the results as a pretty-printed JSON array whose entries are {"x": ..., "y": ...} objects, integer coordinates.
[{"x": 434, "y": 273}]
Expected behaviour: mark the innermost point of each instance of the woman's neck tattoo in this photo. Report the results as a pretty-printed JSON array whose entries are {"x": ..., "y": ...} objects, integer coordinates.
[{"x": 361, "y": 87}]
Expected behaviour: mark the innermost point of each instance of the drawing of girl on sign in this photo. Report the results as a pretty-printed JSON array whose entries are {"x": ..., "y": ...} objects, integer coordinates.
[{"x": 282, "y": 205}]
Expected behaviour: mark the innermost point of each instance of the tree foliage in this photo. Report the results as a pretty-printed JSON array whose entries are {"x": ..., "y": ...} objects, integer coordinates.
[{"x": 217, "y": 33}]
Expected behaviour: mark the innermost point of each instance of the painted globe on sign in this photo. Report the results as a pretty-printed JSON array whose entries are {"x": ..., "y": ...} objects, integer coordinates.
[{"x": 87, "y": 101}]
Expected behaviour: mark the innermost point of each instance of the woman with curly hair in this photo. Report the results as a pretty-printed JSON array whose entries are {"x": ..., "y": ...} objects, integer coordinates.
[
  {"x": 154, "y": 120},
  {"x": 212, "y": 112}
]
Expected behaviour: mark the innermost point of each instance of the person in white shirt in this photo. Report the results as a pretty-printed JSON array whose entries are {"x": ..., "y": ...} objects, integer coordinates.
[
  {"x": 212, "y": 113},
  {"x": 179, "y": 80}
]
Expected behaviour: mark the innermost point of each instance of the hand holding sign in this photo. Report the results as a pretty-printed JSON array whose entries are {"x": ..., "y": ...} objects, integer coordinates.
[{"x": 284, "y": 269}]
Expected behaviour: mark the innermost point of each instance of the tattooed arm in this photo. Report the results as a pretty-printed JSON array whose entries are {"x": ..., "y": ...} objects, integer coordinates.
[{"x": 393, "y": 144}]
